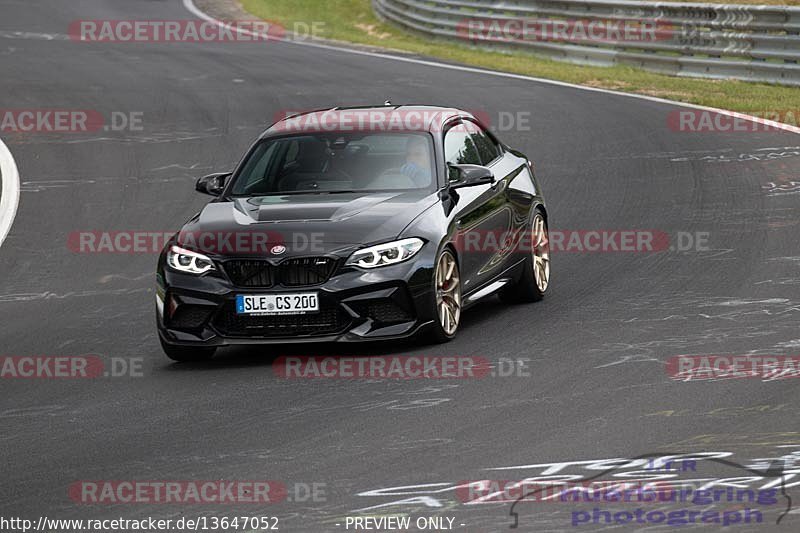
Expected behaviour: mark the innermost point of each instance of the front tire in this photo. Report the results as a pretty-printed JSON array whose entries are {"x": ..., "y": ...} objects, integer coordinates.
[
  {"x": 187, "y": 354},
  {"x": 447, "y": 297},
  {"x": 535, "y": 278}
]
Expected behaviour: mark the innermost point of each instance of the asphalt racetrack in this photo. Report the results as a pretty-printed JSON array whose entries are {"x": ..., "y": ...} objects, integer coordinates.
[{"x": 595, "y": 383}]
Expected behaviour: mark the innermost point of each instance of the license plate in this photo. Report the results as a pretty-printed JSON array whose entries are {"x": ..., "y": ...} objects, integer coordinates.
[{"x": 277, "y": 304}]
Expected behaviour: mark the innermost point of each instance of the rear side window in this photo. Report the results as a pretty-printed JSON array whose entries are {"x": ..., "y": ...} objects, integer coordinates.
[
  {"x": 488, "y": 151},
  {"x": 459, "y": 149}
]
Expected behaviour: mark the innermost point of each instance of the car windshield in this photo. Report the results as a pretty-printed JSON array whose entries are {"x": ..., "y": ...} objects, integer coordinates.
[{"x": 331, "y": 163}]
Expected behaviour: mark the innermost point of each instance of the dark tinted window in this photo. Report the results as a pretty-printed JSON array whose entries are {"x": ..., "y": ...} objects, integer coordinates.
[{"x": 488, "y": 151}]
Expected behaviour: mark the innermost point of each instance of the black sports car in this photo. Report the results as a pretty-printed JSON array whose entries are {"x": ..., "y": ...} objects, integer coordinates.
[{"x": 354, "y": 224}]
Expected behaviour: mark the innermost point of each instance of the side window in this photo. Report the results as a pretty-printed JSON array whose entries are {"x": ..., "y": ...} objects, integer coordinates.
[
  {"x": 459, "y": 148},
  {"x": 487, "y": 149}
]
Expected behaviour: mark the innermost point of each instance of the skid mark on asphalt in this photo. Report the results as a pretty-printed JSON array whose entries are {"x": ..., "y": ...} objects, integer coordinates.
[
  {"x": 740, "y": 302},
  {"x": 781, "y": 189},
  {"x": 631, "y": 359},
  {"x": 39, "y": 410},
  {"x": 155, "y": 138},
  {"x": 726, "y": 411},
  {"x": 789, "y": 439},
  {"x": 733, "y": 315},
  {"x": 47, "y": 295},
  {"x": 722, "y": 155},
  {"x": 759, "y": 154},
  {"x": 794, "y": 343},
  {"x": 111, "y": 277},
  {"x": 779, "y": 281},
  {"x": 178, "y": 166},
  {"x": 681, "y": 303},
  {"x": 4, "y": 34},
  {"x": 34, "y": 186}
]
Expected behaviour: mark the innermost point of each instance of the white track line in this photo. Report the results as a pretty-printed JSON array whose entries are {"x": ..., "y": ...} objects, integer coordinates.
[
  {"x": 189, "y": 5},
  {"x": 9, "y": 196}
]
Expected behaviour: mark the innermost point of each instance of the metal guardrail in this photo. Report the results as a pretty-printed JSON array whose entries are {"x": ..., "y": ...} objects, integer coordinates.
[{"x": 752, "y": 43}]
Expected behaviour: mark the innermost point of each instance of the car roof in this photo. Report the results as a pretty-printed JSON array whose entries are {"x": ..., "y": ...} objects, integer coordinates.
[{"x": 425, "y": 118}]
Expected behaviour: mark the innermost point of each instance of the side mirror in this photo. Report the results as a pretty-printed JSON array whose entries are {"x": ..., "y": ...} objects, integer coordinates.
[
  {"x": 212, "y": 184},
  {"x": 469, "y": 176}
]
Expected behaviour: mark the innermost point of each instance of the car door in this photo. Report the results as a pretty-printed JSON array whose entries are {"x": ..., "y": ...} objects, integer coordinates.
[
  {"x": 482, "y": 216},
  {"x": 515, "y": 187}
]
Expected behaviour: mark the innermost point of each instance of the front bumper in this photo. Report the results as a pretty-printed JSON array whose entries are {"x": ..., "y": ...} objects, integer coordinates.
[{"x": 389, "y": 302}]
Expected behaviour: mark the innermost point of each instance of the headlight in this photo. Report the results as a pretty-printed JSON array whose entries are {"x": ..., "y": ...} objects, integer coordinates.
[
  {"x": 188, "y": 261},
  {"x": 386, "y": 254}
]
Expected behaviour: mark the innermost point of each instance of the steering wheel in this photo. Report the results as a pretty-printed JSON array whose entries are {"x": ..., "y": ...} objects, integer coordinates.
[
  {"x": 389, "y": 171},
  {"x": 393, "y": 183}
]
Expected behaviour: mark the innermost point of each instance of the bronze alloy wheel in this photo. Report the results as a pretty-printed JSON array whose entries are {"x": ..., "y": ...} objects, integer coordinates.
[
  {"x": 541, "y": 253},
  {"x": 448, "y": 293}
]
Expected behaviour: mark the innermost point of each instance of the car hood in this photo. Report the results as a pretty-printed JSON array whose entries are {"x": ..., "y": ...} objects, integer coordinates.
[{"x": 306, "y": 224}]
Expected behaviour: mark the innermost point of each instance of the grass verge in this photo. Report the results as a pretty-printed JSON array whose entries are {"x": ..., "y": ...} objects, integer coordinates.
[{"x": 354, "y": 21}]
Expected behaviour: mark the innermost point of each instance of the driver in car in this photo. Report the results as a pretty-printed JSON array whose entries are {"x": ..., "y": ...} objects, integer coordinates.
[{"x": 418, "y": 162}]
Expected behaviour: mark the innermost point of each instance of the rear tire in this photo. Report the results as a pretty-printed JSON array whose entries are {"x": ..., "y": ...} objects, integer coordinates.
[
  {"x": 187, "y": 354},
  {"x": 535, "y": 278}
]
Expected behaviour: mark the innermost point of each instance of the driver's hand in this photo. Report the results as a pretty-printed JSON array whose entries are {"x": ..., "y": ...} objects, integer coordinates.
[{"x": 417, "y": 175}]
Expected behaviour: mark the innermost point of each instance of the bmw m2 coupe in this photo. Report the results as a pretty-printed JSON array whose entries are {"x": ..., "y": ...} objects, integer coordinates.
[{"x": 354, "y": 224}]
